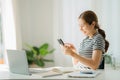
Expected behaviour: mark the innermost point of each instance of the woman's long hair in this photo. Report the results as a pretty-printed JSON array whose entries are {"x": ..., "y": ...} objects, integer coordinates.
[{"x": 89, "y": 17}]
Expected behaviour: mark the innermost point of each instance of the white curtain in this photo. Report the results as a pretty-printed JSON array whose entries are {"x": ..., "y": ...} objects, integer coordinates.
[
  {"x": 66, "y": 13},
  {"x": 8, "y": 24},
  {"x": 9, "y": 28}
]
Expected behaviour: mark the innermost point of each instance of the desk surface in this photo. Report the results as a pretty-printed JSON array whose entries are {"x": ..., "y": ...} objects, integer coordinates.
[{"x": 105, "y": 75}]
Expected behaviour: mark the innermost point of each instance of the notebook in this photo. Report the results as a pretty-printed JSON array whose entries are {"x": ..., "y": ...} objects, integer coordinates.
[
  {"x": 57, "y": 71},
  {"x": 84, "y": 74}
]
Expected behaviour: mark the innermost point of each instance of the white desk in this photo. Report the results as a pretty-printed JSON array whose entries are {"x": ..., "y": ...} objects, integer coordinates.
[{"x": 105, "y": 75}]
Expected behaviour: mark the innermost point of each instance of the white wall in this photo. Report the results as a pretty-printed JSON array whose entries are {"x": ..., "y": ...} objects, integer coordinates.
[
  {"x": 36, "y": 18},
  {"x": 34, "y": 21}
]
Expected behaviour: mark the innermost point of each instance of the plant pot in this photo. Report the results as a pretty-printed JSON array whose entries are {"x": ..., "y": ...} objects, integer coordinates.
[{"x": 34, "y": 66}]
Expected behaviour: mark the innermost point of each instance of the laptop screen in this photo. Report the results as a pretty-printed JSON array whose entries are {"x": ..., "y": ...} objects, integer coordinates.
[{"x": 17, "y": 61}]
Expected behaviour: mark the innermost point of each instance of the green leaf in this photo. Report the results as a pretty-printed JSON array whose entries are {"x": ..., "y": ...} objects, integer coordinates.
[
  {"x": 40, "y": 63},
  {"x": 36, "y": 54},
  {"x": 29, "y": 55},
  {"x": 51, "y": 51},
  {"x": 44, "y": 46},
  {"x": 108, "y": 59},
  {"x": 47, "y": 60},
  {"x": 32, "y": 48},
  {"x": 43, "y": 52},
  {"x": 36, "y": 49}
]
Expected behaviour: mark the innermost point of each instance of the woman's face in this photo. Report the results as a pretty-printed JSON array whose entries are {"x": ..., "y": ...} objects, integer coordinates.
[{"x": 85, "y": 27}]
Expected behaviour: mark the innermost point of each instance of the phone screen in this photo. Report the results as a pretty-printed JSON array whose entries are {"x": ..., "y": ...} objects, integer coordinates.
[{"x": 60, "y": 42}]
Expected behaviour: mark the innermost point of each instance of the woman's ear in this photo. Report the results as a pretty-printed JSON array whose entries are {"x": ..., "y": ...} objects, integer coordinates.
[{"x": 93, "y": 24}]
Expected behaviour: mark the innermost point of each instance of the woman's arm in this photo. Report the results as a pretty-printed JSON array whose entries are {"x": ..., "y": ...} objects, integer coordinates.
[{"x": 90, "y": 62}]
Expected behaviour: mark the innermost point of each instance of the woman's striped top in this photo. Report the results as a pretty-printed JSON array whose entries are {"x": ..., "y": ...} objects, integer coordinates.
[{"x": 88, "y": 45}]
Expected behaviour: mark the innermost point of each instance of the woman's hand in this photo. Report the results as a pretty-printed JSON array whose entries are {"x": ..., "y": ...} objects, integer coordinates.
[{"x": 68, "y": 49}]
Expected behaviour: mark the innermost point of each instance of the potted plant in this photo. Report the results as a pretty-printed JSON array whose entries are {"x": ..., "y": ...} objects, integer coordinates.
[
  {"x": 110, "y": 59},
  {"x": 35, "y": 55}
]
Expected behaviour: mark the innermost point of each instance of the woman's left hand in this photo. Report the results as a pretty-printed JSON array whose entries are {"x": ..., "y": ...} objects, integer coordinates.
[{"x": 68, "y": 50}]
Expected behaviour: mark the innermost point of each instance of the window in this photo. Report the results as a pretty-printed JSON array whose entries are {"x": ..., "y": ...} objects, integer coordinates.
[
  {"x": 1, "y": 39},
  {"x": 7, "y": 29}
]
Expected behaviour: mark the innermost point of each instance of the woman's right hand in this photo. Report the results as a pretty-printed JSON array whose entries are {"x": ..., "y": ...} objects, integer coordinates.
[
  {"x": 75, "y": 61},
  {"x": 71, "y": 46},
  {"x": 68, "y": 49}
]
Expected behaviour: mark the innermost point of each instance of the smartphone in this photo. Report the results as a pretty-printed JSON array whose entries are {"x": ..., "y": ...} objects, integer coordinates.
[
  {"x": 61, "y": 42},
  {"x": 86, "y": 72}
]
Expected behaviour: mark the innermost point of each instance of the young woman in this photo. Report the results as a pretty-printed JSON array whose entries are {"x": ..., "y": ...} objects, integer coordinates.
[{"x": 93, "y": 46}]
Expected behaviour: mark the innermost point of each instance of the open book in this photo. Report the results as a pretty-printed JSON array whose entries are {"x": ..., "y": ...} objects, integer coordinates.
[{"x": 56, "y": 71}]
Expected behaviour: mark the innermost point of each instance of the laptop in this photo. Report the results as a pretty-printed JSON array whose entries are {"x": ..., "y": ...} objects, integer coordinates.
[{"x": 17, "y": 61}]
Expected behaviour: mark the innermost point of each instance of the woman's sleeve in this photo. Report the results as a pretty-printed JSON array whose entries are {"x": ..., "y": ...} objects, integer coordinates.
[{"x": 99, "y": 43}]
